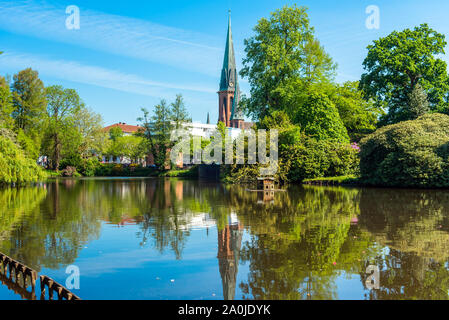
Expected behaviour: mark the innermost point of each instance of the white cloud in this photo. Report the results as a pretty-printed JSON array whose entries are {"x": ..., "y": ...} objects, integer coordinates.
[
  {"x": 115, "y": 34},
  {"x": 92, "y": 75}
]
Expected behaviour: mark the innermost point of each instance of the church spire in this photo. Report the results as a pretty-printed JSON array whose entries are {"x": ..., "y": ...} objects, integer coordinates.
[{"x": 227, "y": 82}]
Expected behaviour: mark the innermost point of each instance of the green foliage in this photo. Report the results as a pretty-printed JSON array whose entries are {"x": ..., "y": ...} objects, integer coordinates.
[
  {"x": 158, "y": 128},
  {"x": 358, "y": 115},
  {"x": 29, "y": 100},
  {"x": 319, "y": 118},
  {"x": 282, "y": 54},
  {"x": 88, "y": 126},
  {"x": 118, "y": 170},
  {"x": 29, "y": 145},
  {"x": 408, "y": 154},
  {"x": 315, "y": 159},
  {"x": 15, "y": 167},
  {"x": 115, "y": 133},
  {"x": 397, "y": 63},
  {"x": 133, "y": 147},
  {"x": 418, "y": 104},
  {"x": 178, "y": 112},
  {"x": 63, "y": 104},
  {"x": 300, "y": 156},
  {"x": 6, "y": 106}
]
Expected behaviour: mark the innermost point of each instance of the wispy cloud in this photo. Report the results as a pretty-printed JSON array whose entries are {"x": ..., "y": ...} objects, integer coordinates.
[
  {"x": 114, "y": 34},
  {"x": 93, "y": 75}
]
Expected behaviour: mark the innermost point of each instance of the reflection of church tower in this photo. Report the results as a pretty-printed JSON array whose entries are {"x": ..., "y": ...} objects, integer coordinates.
[
  {"x": 229, "y": 94},
  {"x": 229, "y": 244}
]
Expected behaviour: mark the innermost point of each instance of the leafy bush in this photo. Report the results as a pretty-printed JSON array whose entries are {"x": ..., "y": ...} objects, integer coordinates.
[
  {"x": 317, "y": 159},
  {"x": 409, "y": 154},
  {"x": 319, "y": 118},
  {"x": 300, "y": 156},
  {"x": 70, "y": 172},
  {"x": 15, "y": 167},
  {"x": 90, "y": 166},
  {"x": 117, "y": 170}
]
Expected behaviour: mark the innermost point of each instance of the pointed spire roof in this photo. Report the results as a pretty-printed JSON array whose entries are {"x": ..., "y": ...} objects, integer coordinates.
[
  {"x": 208, "y": 118},
  {"x": 228, "y": 73}
]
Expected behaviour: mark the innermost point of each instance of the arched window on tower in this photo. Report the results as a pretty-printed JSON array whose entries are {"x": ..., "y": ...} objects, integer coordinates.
[{"x": 225, "y": 109}]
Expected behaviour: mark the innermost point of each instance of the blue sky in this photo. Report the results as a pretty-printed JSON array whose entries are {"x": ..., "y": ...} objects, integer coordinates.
[{"x": 130, "y": 54}]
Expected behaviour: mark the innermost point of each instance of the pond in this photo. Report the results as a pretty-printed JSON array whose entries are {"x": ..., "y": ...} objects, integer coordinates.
[{"x": 175, "y": 239}]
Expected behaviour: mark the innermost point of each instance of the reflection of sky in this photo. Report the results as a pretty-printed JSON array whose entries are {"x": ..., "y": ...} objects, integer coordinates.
[{"x": 116, "y": 266}]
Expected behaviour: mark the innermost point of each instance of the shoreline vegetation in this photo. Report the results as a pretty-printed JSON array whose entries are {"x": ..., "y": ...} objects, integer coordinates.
[{"x": 389, "y": 129}]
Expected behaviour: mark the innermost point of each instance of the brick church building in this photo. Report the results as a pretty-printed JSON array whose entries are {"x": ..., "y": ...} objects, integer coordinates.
[{"x": 229, "y": 111}]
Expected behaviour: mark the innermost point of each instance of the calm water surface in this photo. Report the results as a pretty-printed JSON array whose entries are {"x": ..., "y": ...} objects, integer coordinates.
[{"x": 174, "y": 239}]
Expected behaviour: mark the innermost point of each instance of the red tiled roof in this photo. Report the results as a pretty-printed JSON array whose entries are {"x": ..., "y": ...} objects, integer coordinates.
[{"x": 126, "y": 128}]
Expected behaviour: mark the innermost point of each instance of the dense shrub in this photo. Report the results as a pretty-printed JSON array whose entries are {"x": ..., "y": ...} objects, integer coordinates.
[
  {"x": 410, "y": 154},
  {"x": 15, "y": 167},
  {"x": 300, "y": 155},
  {"x": 86, "y": 167},
  {"x": 118, "y": 170},
  {"x": 316, "y": 159},
  {"x": 319, "y": 118}
]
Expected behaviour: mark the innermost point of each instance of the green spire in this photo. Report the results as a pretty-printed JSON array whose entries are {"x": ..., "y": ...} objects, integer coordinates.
[
  {"x": 208, "y": 118},
  {"x": 228, "y": 73}
]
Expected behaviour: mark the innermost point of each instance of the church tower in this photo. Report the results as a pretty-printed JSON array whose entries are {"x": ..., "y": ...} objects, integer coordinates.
[{"x": 229, "y": 94}]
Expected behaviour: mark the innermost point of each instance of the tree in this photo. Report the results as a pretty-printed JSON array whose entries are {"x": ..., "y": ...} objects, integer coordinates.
[
  {"x": 29, "y": 100},
  {"x": 90, "y": 127},
  {"x": 6, "y": 107},
  {"x": 282, "y": 54},
  {"x": 115, "y": 133},
  {"x": 418, "y": 104},
  {"x": 178, "y": 112},
  {"x": 15, "y": 166},
  {"x": 63, "y": 104},
  {"x": 132, "y": 147},
  {"x": 157, "y": 131},
  {"x": 397, "y": 63},
  {"x": 319, "y": 118},
  {"x": 359, "y": 116}
]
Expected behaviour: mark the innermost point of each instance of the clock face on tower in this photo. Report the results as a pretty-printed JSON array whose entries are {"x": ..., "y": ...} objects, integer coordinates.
[{"x": 231, "y": 84}]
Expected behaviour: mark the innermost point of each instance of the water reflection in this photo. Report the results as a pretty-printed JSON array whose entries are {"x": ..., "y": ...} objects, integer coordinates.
[{"x": 305, "y": 243}]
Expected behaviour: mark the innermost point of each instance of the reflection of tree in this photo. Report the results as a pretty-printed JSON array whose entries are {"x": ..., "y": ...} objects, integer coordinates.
[
  {"x": 16, "y": 204},
  {"x": 296, "y": 241},
  {"x": 410, "y": 223},
  {"x": 54, "y": 232},
  {"x": 293, "y": 242}
]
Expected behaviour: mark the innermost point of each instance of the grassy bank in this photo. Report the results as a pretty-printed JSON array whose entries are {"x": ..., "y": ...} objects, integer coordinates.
[
  {"x": 333, "y": 181},
  {"x": 120, "y": 171}
]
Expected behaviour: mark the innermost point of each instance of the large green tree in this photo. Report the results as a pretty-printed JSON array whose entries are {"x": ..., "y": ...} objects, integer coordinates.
[
  {"x": 282, "y": 54},
  {"x": 178, "y": 112},
  {"x": 29, "y": 100},
  {"x": 359, "y": 116},
  {"x": 90, "y": 127},
  {"x": 62, "y": 106},
  {"x": 157, "y": 131},
  {"x": 6, "y": 107},
  {"x": 398, "y": 62},
  {"x": 318, "y": 117}
]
